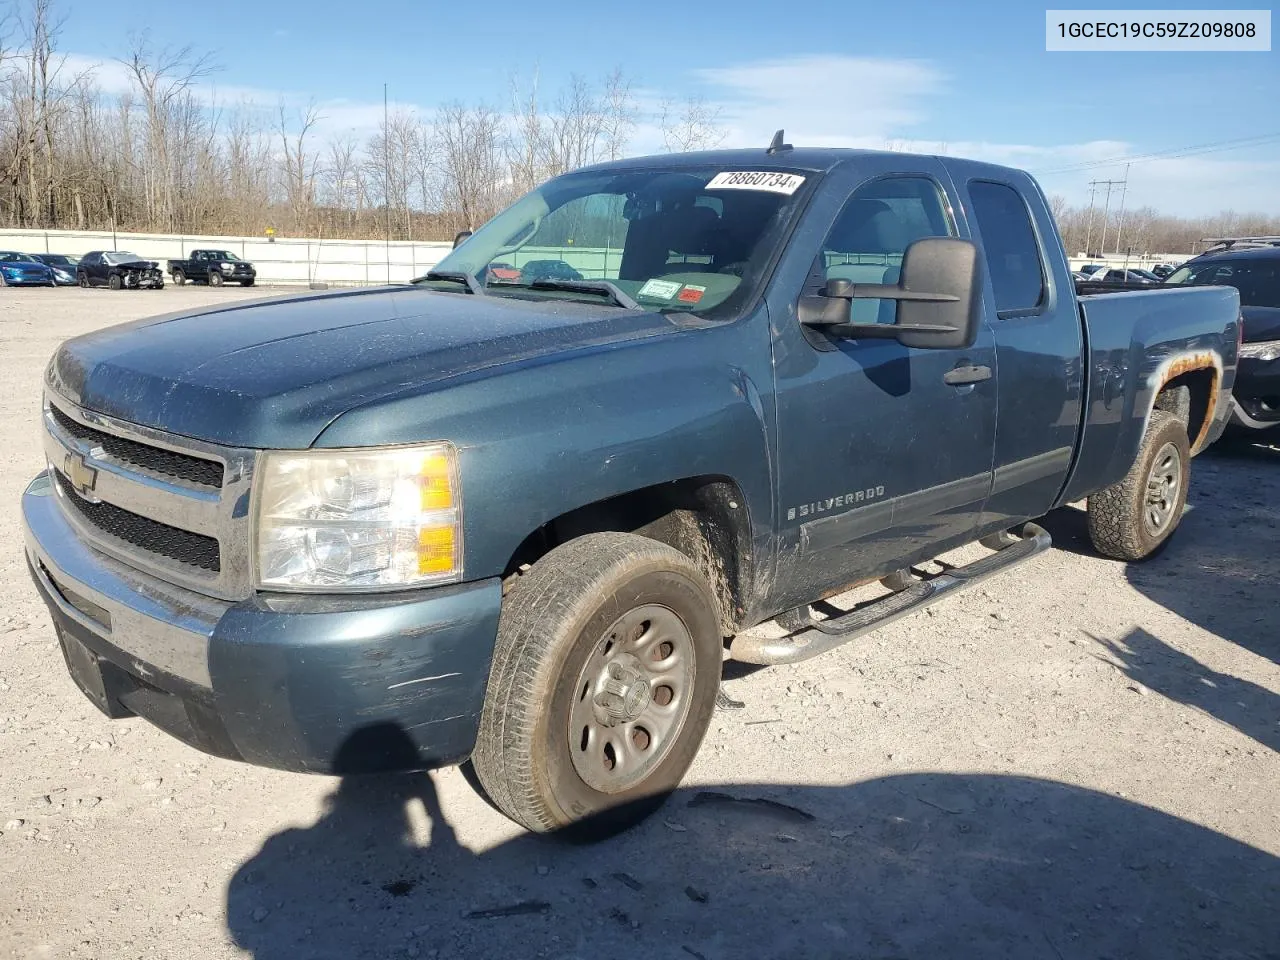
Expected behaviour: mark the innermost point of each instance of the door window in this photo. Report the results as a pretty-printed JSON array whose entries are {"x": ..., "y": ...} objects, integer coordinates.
[
  {"x": 1009, "y": 240},
  {"x": 867, "y": 242}
]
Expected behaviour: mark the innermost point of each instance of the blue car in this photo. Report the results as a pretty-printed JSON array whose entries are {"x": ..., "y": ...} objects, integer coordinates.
[
  {"x": 19, "y": 270},
  {"x": 63, "y": 266}
]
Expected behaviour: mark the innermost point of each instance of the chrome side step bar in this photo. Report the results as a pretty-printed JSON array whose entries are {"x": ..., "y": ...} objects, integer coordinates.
[{"x": 811, "y": 637}]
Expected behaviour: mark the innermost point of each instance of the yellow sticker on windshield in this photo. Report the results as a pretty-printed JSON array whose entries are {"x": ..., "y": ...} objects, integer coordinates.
[{"x": 773, "y": 181}]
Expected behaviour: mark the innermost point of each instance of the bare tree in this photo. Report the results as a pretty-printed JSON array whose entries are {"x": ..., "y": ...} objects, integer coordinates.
[
  {"x": 301, "y": 166},
  {"x": 470, "y": 163},
  {"x": 691, "y": 125},
  {"x": 164, "y": 80}
]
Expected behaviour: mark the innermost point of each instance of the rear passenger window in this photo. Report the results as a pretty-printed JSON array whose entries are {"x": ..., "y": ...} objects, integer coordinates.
[
  {"x": 1013, "y": 256},
  {"x": 867, "y": 241}
]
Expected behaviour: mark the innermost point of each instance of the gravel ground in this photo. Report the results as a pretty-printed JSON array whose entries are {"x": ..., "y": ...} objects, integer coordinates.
[{"x": 1077, "y": 759}]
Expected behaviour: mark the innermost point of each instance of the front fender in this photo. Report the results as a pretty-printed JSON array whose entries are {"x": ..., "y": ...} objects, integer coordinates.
[{"x": 540, "y": 438}]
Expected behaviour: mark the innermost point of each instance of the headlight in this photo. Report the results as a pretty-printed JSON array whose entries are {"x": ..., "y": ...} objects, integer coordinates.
[
  {"x": 359, "y": 519},
  {"x": 227, "y": 268},
  {"x": 1262, "y": 350}
]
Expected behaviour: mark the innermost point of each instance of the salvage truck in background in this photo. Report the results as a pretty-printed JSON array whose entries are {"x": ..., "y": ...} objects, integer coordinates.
[
  {"x": 213, "y": 267},
  {"x": 524, "y": 522}
]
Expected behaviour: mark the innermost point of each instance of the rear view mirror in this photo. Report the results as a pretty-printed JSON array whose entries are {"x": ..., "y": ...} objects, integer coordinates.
[
  {"x": 460, "y": 237},
  {"x": 937, "y": 299}
]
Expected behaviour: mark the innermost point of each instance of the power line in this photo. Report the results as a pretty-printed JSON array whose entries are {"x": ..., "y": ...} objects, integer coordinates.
[{"x": 1171, "y": 154}]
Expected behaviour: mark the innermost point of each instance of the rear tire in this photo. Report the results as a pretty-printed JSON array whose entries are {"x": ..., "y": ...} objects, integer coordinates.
[
  {"x": 603, "y": 683},
  {"x": 1135, "y": 518},
  {"x": 179, "y": 277}
]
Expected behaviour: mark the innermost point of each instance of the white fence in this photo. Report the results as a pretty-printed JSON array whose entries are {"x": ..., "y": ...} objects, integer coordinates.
[{"x": 287, "y": 260}]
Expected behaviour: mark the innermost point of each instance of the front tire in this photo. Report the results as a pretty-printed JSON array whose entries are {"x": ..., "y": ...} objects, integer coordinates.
[
  {"x": 246, "y": 283},
  {"x": 115, "y": 281},
  {"x": 1135, "y": 518},
  {"x": 603, "y": 683},
  {"x": 83, "y": 280}
]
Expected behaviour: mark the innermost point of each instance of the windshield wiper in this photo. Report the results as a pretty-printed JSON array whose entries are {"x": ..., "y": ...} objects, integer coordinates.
[
  {"x": 456, "y": 276},
  {"x": 602, "y": 288}
]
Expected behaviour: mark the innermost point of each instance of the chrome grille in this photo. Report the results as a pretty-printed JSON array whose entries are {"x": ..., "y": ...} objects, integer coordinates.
[
  {"x": 166, "y": 463},
  {"x": 174, "y": 507},
  {"x": 181, "y": 546}
]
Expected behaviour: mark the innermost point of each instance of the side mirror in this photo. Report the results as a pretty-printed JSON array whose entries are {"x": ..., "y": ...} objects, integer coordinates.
[
  {"x": 460, "y": 237},
  {"x": 937, "y": 299}
]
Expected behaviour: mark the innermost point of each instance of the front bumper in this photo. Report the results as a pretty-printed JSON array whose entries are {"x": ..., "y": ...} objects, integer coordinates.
[
  {"x": 27, "y": 281},
  {"x": 323, "y": 684}
]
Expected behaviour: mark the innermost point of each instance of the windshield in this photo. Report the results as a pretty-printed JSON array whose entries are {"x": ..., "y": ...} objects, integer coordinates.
[
  {"x": 58, "y": 260},
  {"x": 222, "y": 255},
  {"x": 1257, "y": 280},
  {"x": 14, "y": 258},
  {"x": 120, "y": 256},
  {"x": 693, "y": 240}
]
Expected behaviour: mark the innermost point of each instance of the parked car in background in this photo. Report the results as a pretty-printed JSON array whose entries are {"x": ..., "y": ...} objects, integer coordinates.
[
  {"x": 805, "y": 369},
  {"x": 1130, "y": 275},
  {"x": 19, "y": 270},
  {"x": 1255, "y": 272},
  {"x": 119, "y": 270},
  {"x": 63, "y": 267},
  {"x": 1089, "y": 269},
  {"x": 1162, "y": 270},
  {"x": 213, "y": 267}
]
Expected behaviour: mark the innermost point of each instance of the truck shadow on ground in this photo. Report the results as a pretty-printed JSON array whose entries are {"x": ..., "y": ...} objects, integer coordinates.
[
  {"x": 919, "y": 865},
  {"x": 1218, "y": 571}
]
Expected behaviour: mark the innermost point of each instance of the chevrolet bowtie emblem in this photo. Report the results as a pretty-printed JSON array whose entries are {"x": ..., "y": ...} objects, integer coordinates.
[{"x": 81, "y": 476}]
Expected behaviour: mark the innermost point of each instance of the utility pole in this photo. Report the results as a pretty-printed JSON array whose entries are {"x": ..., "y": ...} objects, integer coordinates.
[
  {"x": 1123, "y": 191},
  {"x": 1106, "y": 211},
  {"x": 1088, "y": 233},
  {"x": 386, "y": 175}
]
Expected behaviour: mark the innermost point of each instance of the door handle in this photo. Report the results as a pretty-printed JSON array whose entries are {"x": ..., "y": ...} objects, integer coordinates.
[{"x": 966, "y": 374}]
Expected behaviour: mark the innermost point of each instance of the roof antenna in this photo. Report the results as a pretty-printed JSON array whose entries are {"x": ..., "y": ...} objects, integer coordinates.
[{"x": 777, "y": 146}]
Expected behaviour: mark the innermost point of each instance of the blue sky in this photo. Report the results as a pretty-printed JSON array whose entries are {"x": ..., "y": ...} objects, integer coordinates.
[{"x": 941, "y": 76}]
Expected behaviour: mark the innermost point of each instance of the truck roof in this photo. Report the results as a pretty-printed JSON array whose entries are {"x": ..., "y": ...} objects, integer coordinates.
[{"x": 817, "y": 159}]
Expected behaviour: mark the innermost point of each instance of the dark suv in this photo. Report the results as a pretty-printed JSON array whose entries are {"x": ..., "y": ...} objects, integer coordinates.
[{"x": 1252, "y": 266}]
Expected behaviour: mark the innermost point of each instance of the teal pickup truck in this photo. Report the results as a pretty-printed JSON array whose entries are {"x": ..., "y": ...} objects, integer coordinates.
[{"x": 521, "y": 510}]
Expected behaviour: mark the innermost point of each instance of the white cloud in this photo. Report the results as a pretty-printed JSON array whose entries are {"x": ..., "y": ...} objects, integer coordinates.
[{"x": 834, "y": 100}]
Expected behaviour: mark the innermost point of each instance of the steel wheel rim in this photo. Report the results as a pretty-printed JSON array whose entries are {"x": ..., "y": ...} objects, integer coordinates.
[
  {"x": 1164, "y": 485},
  {"x": 631, "y": 699}
]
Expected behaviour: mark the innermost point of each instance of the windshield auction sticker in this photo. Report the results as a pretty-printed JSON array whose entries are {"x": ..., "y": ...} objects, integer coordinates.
[
  {"x": 1158, "y": 30},
  {"x": 771, "y": 181},
  {"x": 659, "y": 289}
]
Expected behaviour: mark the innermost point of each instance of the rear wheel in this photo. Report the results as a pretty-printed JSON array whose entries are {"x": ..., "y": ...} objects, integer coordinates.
[
  {"x": 179, "y": 277},
  {"x": 603, "y": 682},
  {"x": 215, "y": 279},
  {"x": 115, "y": 282},
  {"x": 1134, "y": 519}
]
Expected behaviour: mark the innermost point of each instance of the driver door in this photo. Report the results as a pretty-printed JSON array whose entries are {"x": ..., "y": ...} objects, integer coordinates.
[{"x": 885, "y": 451}]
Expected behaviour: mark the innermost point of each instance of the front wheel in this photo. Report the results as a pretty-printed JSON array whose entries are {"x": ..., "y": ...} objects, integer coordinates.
[
  {"x": 83, "y": 280},
  {"x": 1134, "y": 519},
  {"x": 115, "y": 282},
  {"x": 603, "y": 682},
  {"x": 246, "y": 283}
]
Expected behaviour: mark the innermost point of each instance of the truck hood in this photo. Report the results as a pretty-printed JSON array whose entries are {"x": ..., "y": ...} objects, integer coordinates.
[{"x": 274, "y": 373}]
